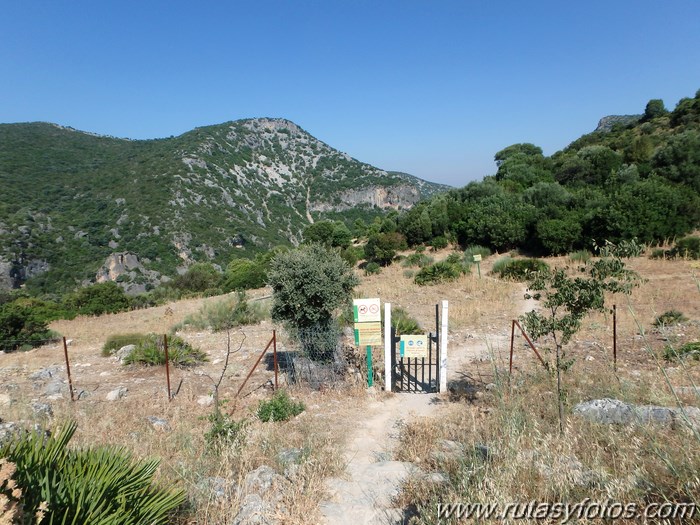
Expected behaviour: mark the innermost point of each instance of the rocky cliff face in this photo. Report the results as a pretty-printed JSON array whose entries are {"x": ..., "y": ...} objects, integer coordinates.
[{"x": 126, "y": 269}]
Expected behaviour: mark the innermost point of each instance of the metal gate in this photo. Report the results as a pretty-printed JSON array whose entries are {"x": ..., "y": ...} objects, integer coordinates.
[{"x": 420, "y": 375}]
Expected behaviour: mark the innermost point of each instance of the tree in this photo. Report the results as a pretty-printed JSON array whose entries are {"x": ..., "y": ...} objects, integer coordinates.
[
  {"x": 654, "y": 108},
  {"x": 566, "y": 300},
  {"x": 381, "y": 248},
  {"x": 309, "y": 284},
  {"x": 98, "y": 299}
]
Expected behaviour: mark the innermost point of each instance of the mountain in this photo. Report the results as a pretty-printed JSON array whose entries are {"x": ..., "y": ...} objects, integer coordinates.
[{"x": 78, "y": 207}]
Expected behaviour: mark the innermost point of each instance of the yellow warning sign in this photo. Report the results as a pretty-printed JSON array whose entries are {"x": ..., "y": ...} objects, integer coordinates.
[{"x": 368, "y": 334}]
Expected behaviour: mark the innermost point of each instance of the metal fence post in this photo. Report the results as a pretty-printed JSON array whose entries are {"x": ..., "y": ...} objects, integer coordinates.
[{"x": 70, "y": 380}]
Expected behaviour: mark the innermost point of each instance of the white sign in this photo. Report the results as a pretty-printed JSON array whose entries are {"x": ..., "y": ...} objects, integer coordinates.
[
  {"x": 477, "y": 257},
  {"x": 366, "y": 310},
  {"x": 415, "y": 346}
]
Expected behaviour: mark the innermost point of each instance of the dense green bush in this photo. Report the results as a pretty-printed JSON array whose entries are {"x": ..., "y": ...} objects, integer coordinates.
[
  {"x": 279, "y": 408},
  {"x": 227, "y": 313},
  {"x": 418, "y": 259},
  {"x": 151, "y": 351},
  {"x": 22, "y": 326},
  {"x": 687, "y": 248},
  {"x": 520, "y": 269},
  {"x": 438, "y": 243},
  {"x": 381, "y": 248},
  {"x": 199, "y": 278},
  {"x": 99, "y": 299},
  {"x": 670, "y": 318},
  {"x": 372, "y": 268},
  {"x": 96, "y": 486},
  {"x": 439, "y": 272},
  {"x": 117, "y": 341}
]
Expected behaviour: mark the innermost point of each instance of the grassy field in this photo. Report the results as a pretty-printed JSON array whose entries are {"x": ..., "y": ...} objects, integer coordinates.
[{"x": 514, "y": 418}]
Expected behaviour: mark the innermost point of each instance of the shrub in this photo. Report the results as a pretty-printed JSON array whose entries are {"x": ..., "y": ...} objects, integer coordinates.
[
  {"x": 403, "y": 323},
  {"x": 688, "y": 350},
  {"x": 669, "y": 318},
  {"x": 150, "y": 351},
  {"x": 101, "y": 486},
  {"x": 198, "y": 278},
  {"x": 225, "y": 314},
  {"x": 382, "y": 247},
  {"x": 519, "y": 269},
  {"x": 417, "y": 259},
  {"x": 688, "y": 248},
  {"x": 115, "y": 342},
  {"x": 279, "y": 408},
  {"x": 21, "y": 326},
  {"x": 439, "y": 272},
  {"x": 501, "y": 263},
  {"x": 475, "y": 249},
  {"x": 244, "y": 274},
  {"x": 224, "y": 431},
  {"x": 99, "y": 299},
  {"x": 372, "y": 268},
  {"x": 659, "y": 253},
  {"x": 623, "y": 249},
  {"x": 580, "y": 256},
  {"x": 438, "y": 243}
]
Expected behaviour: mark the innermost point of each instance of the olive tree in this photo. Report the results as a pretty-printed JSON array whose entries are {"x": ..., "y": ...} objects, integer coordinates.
[
  {"x": 566, "y": 300},
  {"x": 309, "y": 285}
]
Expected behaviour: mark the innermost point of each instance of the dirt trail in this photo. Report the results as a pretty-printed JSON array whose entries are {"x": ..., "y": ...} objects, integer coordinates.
[{"x": 372, "y": 477}]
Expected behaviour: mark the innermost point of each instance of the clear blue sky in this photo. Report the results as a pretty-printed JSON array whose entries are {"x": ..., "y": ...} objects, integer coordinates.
[{"x": 430, "y": 87}]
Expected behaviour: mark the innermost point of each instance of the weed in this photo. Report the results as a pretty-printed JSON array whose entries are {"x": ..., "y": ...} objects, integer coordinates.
[
  {"x": 117, "y": 341},
  {"x": 417, "y": 259},
  {"x": 440, "y": 272},
  {"x": 151, "y": 351},
  {"x": 580, "y": 256},
  {"x": 279, "y": 408},
  {"x": 519, "y": 269},
  {"x": 672, "y": 317},
  {"x": 688, "y": 350}
]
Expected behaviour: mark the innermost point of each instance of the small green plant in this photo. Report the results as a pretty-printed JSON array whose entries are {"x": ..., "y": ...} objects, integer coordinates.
[
  {"x": 227, "y": 313},
  {"x": 623, "y": 249},
  {"x": 520, "y": 269},
  {"x": 659, "y": 253},
  {"x": 419, "y": 259},
  {"x": 439, "y": 272},
  {"x": 672, "y": 317},
  {"x": 580, "y": 256},
  {"x": 151, "y": 351},
  {"x": 500, "y": 264},
  {"x": 117, "y": 341},
  {"x": 403, "y": 323},
  {"x": 224, "y": 431},
  {"x": 688, "y": 350},
  {"x": 279, "y": 408},
  {"x": 100, "y": 486},
  {"x": 687, "y": 248},
  {"x": 438, "y": 243},
  {"x": 372, "y": 268}
]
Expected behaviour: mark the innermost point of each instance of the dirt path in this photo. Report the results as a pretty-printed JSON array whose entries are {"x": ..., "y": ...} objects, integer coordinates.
[{"x": 372, "y": 478}]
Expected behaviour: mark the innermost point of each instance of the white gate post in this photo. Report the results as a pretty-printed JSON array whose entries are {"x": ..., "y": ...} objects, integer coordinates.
[
  {"x": 388, "y": 347},
  {"x": 443, "y": 348}
]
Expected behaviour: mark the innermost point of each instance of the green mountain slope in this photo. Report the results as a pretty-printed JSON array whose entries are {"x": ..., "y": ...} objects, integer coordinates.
[{"x": 70, "y": 199}]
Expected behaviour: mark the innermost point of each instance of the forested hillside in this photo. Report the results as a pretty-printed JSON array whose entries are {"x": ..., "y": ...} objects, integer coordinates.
[{"x": 639, "y": 177}]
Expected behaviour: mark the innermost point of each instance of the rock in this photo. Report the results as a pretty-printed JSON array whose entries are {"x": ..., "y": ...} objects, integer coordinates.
[
  {"x": 55, "y": 388},
  {"x": 261, "y": 480},
  {"x": 117, "y": 393},
  {"x": 159, "y": 423},
  {"x": 205, "y": 401},
  {"x": 688, "y": 390},
  {"x": 82, "y": 394},
  {"x": 8, "y": 430},
  {"x": 45, "y": 373},
  {"x": 590, "y": 358},
  {"x": 491, "y": 387},
  {"x": 483, "y": 452},
  {"x": 289, "y": 456},
  {"x": 613, "y": 411},
  {"x": 218, "y": 488},
  {"x": 253, "y": 511},
  {"x": 42, "y": 409},
  {"x": 447, "y": 450},
  {"x": 5, "y": 400},
  {"x": 124, "y": 352}
]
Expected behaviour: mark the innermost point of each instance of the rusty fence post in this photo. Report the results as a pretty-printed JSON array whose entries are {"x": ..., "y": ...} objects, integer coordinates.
[
  {"x": 167, "y": 364},
  {"x": 70, "y": 380},
  {"x": 274, "y": 355},
  {"x": 512, "y": 340},
  {"x": 615, "y": 337}
]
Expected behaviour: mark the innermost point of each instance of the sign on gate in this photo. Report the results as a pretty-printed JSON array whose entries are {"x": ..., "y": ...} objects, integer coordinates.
[{"x": 414, "y": 346}]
